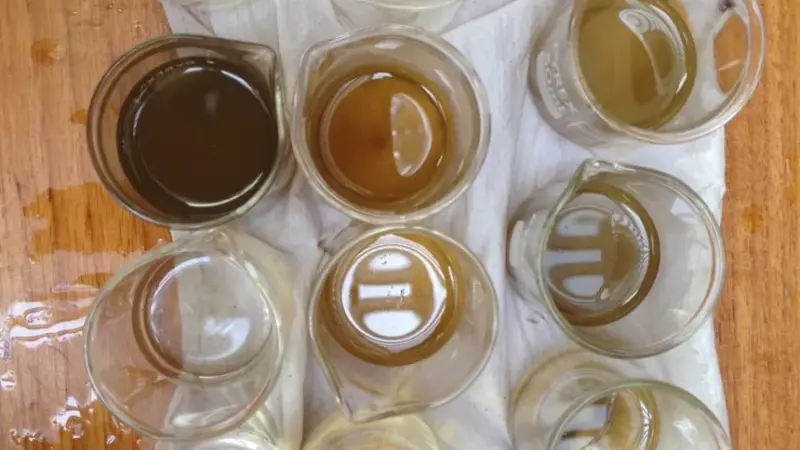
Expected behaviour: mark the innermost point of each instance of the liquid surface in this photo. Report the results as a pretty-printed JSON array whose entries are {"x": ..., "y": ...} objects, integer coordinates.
[
  {"x": 602, "y": 257},
  {"x": 395, "y": 301},
  {"x": 197, "y": 137},
  {"x": 396, "y": 433},
  {"x": 627, "y": 420},
  {"x": 638, "y": 59},
  {"x": 380, "y": 137},
  {"x": 221, "y": 326},
  {"x": 54, "y": 256}
]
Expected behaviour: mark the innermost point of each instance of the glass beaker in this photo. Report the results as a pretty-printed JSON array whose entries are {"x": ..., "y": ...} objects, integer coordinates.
[
  {"x": 236, "y": 440},
  {"x": 402, "y": 319},
  {"x": 397, "y": 433},
  {"x": 661, "y": 71},
  {"x": 207, "y": 5},
  {"x": 264, "y": 430},
  {"x": 186, "y": 342},
  {"x": 579, "y": 400},
  {"x": 433, "y": 15},
  {"x": 627, "y": 260},
  {"x": 147, "y": 68},
  {"x": 397, "y": 177}
]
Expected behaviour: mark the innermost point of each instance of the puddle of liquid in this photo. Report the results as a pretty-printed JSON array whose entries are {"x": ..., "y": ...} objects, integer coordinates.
[
  {"x": 60, "y": 234},
  {"x": 44, "y": 397},
  {"x": 43, "y": 319},
  {"x": 95, "y": 224},
  {"x": 8, "y": 381},
  {"x": 59, "y": 248},
  {"x": 84, "y": 426},
  {"x": 47, "y": 51}
]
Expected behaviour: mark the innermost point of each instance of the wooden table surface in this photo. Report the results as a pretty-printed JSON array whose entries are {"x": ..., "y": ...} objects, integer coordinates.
[{"x": 61, "y": 235}]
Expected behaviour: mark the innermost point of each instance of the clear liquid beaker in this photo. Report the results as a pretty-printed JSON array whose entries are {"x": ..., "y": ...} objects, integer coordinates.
[
  {"x": 185, "y": 343},
  {"x": 397, "y": 433}
]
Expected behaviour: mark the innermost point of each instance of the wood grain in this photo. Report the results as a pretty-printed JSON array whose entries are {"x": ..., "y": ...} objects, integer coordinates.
[
  {"x": 58, "y": 228},
  {"x": 60, "y": 233},
  {"x": 758, "y": 321}
]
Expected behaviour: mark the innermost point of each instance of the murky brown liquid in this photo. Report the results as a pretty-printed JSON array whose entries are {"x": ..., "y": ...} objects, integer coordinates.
[
  {"x": 379, "y": 136},
  {"x": 394, "y": 301},
  {"x": 638, "y": 58},
  {"x": 197, "y": 137}
]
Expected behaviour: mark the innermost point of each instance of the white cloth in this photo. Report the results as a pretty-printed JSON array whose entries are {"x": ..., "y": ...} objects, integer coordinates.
[{"x": 525, "y": 154}]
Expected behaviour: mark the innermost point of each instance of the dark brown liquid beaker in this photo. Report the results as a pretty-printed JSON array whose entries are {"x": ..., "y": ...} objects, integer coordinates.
[{"x": 188, "y": 131}]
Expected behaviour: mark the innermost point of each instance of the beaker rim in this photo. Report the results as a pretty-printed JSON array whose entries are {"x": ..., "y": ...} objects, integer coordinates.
[
  {"x": 734, "y": 102},
  {"x": 587, "y": 170},
  {"x": 478, "y": 151}
]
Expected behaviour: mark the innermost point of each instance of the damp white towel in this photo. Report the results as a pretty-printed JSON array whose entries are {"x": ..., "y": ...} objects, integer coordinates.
[{"x": 525, "y": 154}]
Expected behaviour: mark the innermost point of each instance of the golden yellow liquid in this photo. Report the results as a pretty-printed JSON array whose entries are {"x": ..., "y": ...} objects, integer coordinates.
[
  {"x": 638, "y": 59},
  {"x": 602, "y": 257},
  {"x": 393, "y": 302},
  {"x": 627, "y": 420},
  {"x": 380, "y": 137}
]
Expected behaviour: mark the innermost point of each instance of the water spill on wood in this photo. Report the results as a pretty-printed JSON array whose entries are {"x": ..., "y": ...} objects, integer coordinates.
[
  {"x": 79, "y": 117},
  {"x": 59, "y": 247},
  {"x": 47, "y": 51},
  {"x": 92, "y": 227},
  {"x": 61, "y": 235},
  {"x": 74, "y": 423}
]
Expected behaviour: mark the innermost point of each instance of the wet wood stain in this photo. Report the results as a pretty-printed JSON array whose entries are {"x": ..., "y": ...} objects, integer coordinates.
[
  {"x": 76, "y": 430},
  {"x": 93, "y": 279},
  {"x": 91, "y": 227},
  {"x": 753, "y": 218},
  {"x": 46, "y": 51},
  {"x": 79, "y": 117},
  {"x": 56, "y": 242}
]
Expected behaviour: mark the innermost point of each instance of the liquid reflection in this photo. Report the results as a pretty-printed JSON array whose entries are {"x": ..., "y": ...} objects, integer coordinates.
[
  {"x": 82, "y": 425},
  {"x": 59, "y": 318},
  {"x": 382, "y": 136},
  {"x": 43, "y": 364},
  {"x": 602, "y": 256},
  {"x": 58, "y": 247},
  {"x": 395, "y": 302}
]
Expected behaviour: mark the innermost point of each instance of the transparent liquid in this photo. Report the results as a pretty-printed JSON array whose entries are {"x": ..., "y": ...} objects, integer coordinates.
[
  {"x": 199, "y": 315},
  {"x": 626, "y": 420},
  {"x": 397, "y": 433},
  {"x": 638, "y": 58},
  {"x": 602, "y": 256},
  {"x": 395, "y": 301},
  {"x": 380, "y": 136}
]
